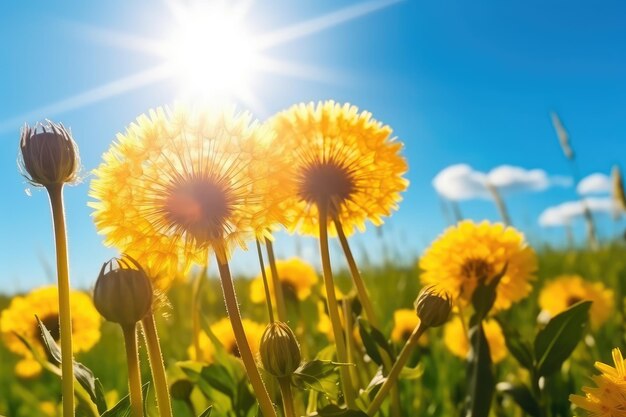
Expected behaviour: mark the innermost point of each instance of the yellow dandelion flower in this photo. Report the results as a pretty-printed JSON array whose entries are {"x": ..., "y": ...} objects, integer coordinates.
[
  {"x": 608, "y": 397},
  {"x": 405, "y": 320},
  {"x": 343, "y": 159},
  {"x": 179, "y": 182},
  {"x": 468, "y": 252},
  {"x": 567, "y": 290},
  {"x": 224, "y": 332},
  {"x": 456, "y": 341},
  {"x": 19, "y": 318},
  {"x": 296, "y": 276}
]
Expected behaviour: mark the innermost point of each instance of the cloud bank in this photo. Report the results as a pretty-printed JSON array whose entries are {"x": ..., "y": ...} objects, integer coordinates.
[
  {"x": 596, "y": 183},
  {"x": 566, "y": 212},
  {"x": 461, "y": 182}
]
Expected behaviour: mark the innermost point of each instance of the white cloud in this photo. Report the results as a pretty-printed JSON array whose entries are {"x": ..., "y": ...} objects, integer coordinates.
[
  {"x": 564, "y": 213},
  {"x": 595, "y": 184},
  {"x": 462, "y": 182}
]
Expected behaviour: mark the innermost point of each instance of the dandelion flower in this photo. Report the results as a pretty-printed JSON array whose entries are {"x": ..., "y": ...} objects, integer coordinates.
[
  {"x": 224, "y": 333},
  {"x": 469, "y": 252},
  {"x": 179, "y": 182},
  {"x": 297, "y": 278},
  {"x": 19, "y": 318},
  {"x": 567, "y": 290},
  {"x": 343, "y": 159},
  {"x": 456, "y": 341},
  {"x": 608, "y": 397}
]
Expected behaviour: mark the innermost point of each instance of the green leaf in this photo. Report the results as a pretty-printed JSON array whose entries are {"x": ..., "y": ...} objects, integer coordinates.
[
  {"x": 83, "y": 375},
  {"x": 556, "y": 342},
  {"x": 122, "y": 408},
  {"x": 335, "y": 411},
  {"x": 522, "y": 397},
  {"x": 480, "y": 378},
  {"x": 484, "y": 296},
  {"x": 321, "y": 376},
  {"x": 520, "y": 348},
  {"x": 374, "y": 341},
  {"x": 207, "y": 412}
]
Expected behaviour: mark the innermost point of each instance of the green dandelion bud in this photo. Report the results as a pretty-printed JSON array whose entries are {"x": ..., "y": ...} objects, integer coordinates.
[
  {"x": 123, "y": 292},
  {"x": 433, "y": 307},
  {"x": 279, "y": 350},
  {"x": 48, "y": 155}
]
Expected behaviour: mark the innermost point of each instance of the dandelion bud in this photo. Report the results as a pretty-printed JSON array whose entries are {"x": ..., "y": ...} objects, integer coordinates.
[
  {"x": 123, "y": 292},
  {"x": 49, "y": 155},
  {"x": 279, "y": 350},
  {"x": 433, "y": 307}
]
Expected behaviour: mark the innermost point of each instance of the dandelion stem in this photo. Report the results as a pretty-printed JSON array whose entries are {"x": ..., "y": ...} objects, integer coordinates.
[
  {"x": 156, "y": 365},
  {"x": 134, "y": 377},
  {"x": 232, "y": 308},
  {"x": 333, "y": 307},
  {"x": 55, "y": 192},
  {"x": 285, "y": 391},
  {"x": 356, "y": 275},
  {"x": 395, "y": 370},
  {"x": 268, "y": 297},
  {"x": 281, "y": 309}
]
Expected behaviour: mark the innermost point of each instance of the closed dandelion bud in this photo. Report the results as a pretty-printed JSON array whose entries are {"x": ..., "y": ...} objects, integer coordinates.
[
  {"x": 49, "y": 155},
  {"x": 123, "y": 292},
  {"x": 433, "y": 307},
  {"x": 279, "y": 350}
]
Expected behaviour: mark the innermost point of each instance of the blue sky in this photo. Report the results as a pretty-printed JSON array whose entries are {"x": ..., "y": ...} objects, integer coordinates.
[{"x": 459, "y": 82}]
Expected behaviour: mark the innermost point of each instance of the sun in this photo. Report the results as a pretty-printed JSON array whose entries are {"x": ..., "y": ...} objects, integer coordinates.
[{"x": 210, "y": 53}]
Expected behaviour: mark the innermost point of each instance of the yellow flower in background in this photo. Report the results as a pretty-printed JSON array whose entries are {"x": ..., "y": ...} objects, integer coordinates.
[
  {"x": 608, "y": 397},
  {"x": 19, "y": 318},
  {"x": 296, "y": 276},
  {"x": 179, "y": 182},
  {"x": 224, "y": 333},
  {"x": 405, "y": 320},
  {"x": 468, "y": 252},
  {"x": 456, "y": 340},
  {"x": 343, "y": 159},
  {"x": 566, "y": 290}
]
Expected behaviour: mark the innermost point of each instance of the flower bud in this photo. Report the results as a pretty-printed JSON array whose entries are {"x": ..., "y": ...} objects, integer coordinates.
[
  {"x": 49, "y": 155},
  {"x": 123, "y": 292},
  {"x": 433, "y": 307},
  {"x": 279, "y": 350}
]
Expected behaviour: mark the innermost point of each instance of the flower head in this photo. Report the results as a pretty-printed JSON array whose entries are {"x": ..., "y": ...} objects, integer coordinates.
[
  {"x": 433, "y": 306},
  {"x": 180, "y": 182},
  {"x": 342, "y": 160},
  {"x": 296, "y": 276},
  {"x": 279, "y": 350},
  {"x": 48, "y": 155},
  {"x": 19, "y": 318},
  {"x": 470, "y": 252},
  {"x": 456, "y": 341},
  {"x": 567, "y": 290},
  {"x": 608, "y": 397},
  {"x": 223, "y": 330}
]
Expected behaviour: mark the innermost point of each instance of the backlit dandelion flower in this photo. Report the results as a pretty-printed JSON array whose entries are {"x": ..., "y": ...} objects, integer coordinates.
[
  {"x": 567, "y": 290},
  {"x": 224, "y": 333},
  {"x": 456, "y": 341},
  {"x": 19, "y": 318},
  {"x": 469, "y": 252},
  {"x": 296, "y": 276},
  {"x": 180, "y": 182},
  {"x": 344, "y": 160},
  {"x": 608, "y": 397}
]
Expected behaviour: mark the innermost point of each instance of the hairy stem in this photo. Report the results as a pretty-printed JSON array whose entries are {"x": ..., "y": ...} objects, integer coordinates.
[
  {"x": 285, "y": 391},
  {"x": 134, "y": 376},
  {"x": 266, "y": 287},
  {"x": 156, "y": 365},
  {"x": 278, "y": 288}
]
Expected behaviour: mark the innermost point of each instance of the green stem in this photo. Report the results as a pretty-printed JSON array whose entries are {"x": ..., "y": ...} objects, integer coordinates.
[
  {"x": 278, "y": 288},
  {"x": 266, "y": 287},
  {"x": 285, "y": 391},
  {"x": 156, "y": 365},
  {"x": 232, "y": 308},
  {"x": 392, "y": 378},
  {"x": 350, "y": 345},
  {"x": 134, "y": 376},
  {"x": 55, "y": 192},
  {"x": 361, "y": 291},
  {"x": 333, "y": 308}
]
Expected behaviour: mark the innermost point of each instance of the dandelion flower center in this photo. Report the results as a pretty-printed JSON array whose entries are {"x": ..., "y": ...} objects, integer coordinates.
[
  {"x": 476, "y": 268},
  {"x": 198, "y": 206},
  {"x": 326, "y": 182}
]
